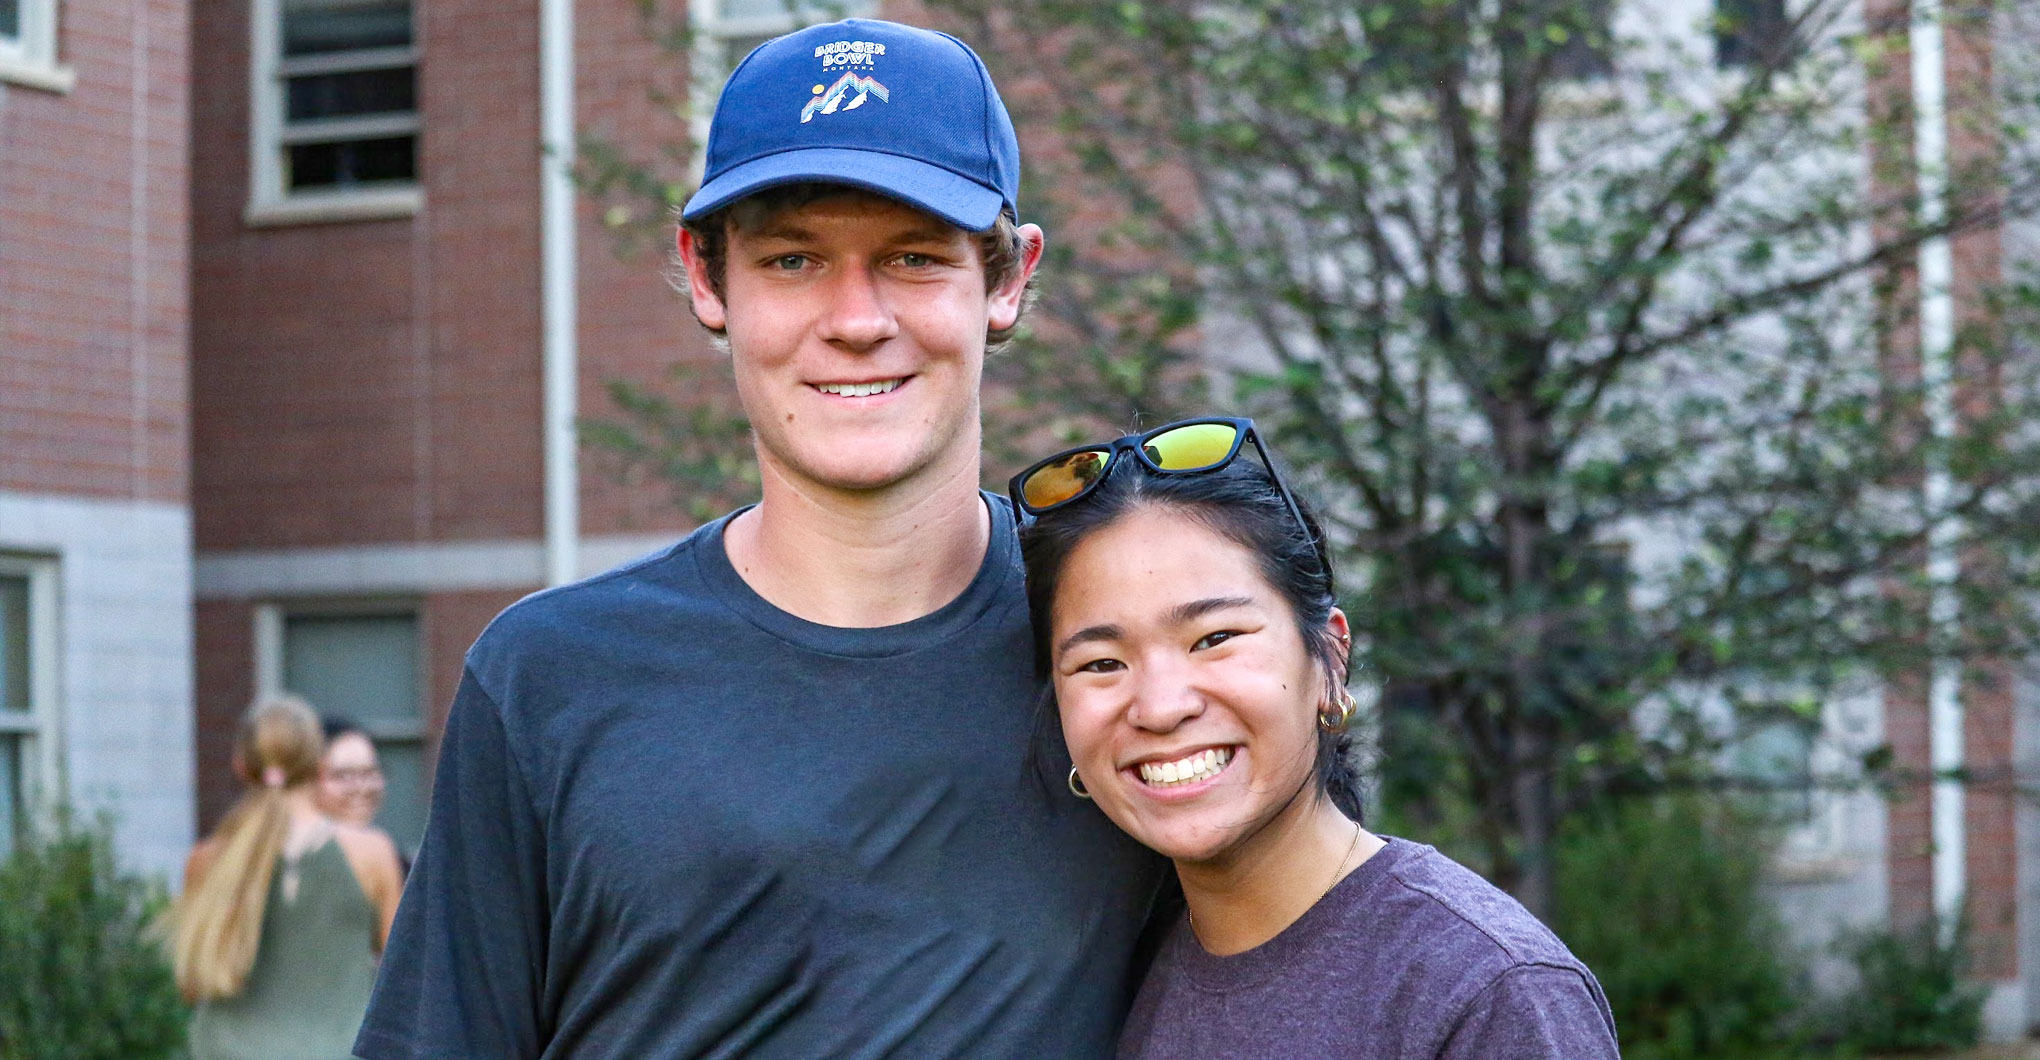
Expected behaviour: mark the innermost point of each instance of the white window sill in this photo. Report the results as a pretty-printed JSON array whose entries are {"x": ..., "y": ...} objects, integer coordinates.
[
  {"x": 37, "y": 75},
  {"x": 310, "y": 208}
]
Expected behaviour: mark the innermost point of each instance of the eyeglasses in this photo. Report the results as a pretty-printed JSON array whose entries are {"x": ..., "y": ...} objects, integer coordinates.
[{"x": 1183, "y": 448}]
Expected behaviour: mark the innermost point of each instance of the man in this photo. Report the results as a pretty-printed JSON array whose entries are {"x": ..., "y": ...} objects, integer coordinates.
[{"x": 769, "y": 793}]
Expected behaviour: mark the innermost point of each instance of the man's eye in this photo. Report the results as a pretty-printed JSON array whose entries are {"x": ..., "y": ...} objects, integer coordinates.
[
  {"x": 789, "y": 262},
  {"x": 1212, "y": 640},
  {"x": 916, "y": 261}
]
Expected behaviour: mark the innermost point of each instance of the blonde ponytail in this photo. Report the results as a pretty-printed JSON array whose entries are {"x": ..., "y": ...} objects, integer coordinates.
[{"x": 218, "y": 920}]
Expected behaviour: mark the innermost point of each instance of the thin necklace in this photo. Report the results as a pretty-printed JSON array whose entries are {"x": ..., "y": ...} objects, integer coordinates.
[{"x": 1355, "y": 845}]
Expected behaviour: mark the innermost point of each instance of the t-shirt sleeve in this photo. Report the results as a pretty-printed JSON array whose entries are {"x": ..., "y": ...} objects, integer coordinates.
[
  {"x": 1535, "y": 1011},
  {"x": 463, "y": 976}
]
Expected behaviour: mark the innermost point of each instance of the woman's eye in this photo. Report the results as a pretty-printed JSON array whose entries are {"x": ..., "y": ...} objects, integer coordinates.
[
  {"x": 1213, "y": 640},
  {"x": 1100, "y": 666}
]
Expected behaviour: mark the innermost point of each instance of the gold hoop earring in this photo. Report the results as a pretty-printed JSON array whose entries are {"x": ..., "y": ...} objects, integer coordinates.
[
  {"x": 1077, "y": 785},
  {"x": 1337, "y": 721}
]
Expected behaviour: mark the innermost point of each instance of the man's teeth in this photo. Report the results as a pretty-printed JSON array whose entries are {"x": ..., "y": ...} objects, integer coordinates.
[
  {"x": 1201, "y": 766},
  {"x": 859, "y": 389}
]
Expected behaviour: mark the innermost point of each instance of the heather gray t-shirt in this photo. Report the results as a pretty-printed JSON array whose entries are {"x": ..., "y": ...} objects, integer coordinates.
[{"x": 1411, "y": 956}]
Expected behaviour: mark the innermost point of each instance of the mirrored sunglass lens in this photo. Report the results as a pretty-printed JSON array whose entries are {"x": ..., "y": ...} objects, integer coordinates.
[
  {"x": 1057, "y": 482},
  {"x": 1199, "y": 445}
]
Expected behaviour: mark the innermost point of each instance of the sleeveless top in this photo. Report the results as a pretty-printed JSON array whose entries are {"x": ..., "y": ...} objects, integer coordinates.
[{"x": 313, "y": 971}]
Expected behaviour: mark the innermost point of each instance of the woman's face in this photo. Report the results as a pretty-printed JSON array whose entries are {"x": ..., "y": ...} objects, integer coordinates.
[
  {"x": 350, "y": 784},
  {"x": 1188, "y": 698}
]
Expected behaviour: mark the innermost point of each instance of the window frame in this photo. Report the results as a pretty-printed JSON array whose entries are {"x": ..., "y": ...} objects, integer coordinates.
[
  {"x": 270, "y": 132},
  {"x": 43, "y": 786},
  {"x": 270, "y": 620},
  {"x": 29, "y": 58}
]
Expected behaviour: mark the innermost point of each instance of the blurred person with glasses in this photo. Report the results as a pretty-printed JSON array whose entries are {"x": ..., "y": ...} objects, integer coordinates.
[{"x": 351, "y": 786}]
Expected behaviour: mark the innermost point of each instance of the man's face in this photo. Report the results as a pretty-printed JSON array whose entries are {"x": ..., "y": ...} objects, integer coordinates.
[{"x": 857, "y": 329}]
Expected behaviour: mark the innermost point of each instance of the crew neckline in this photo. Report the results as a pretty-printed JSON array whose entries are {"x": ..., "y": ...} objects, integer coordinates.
[
  {"x": 1215, "y": 973},
  {"x": 995, "y": 573}
]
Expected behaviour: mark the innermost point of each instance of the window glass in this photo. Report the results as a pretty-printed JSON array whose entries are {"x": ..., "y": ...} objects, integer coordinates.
[
  {"x": 14, "y": 703},
  {"x": 315, "y": 27},
  {"x": 13, "y": 642},
  {"x": 1746, "y": 29},
  {"x": 347, "y": 116},
  {"x": 366, "y": 668},
  {"x": 353, "y": 93},
  {"x": 10, "y": 18}
]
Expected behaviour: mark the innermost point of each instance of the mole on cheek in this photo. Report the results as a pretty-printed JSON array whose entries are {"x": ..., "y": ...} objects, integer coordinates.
[{"x": 789, "y": 417}]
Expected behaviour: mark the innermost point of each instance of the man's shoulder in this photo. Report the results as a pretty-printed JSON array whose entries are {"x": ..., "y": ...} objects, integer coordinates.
[{"x": 613, "y": 604}]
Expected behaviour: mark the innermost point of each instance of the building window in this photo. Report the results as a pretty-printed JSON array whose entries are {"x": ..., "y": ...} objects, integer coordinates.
[
  {"x": 28, "y": 751},
  {"x": 335, "y": 107},
  {"x": 363, "y": 664},
  {"x": 1586, "y": 46},
  {"x": 726, "y": 30},
  {"x": 1746, "y": 32},
  {"x": 28, "y": 45}
]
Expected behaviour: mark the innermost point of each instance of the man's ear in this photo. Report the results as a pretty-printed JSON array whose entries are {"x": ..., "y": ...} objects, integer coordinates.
[
  {"x": 1005, "y": 301},
  {"x": 707, "y": 307}
]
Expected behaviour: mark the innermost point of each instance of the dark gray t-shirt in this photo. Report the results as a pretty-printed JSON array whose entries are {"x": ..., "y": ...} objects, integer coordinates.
[
  {"x": 1411, "y": 956},
  {"x": 672, "y": 821}
]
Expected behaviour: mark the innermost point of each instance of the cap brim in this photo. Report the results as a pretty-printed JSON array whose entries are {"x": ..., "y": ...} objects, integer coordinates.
[{"x": 960, "y": 201}]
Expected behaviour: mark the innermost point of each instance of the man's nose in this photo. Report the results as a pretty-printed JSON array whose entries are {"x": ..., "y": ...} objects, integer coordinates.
[{"x": 858, "y": 315}]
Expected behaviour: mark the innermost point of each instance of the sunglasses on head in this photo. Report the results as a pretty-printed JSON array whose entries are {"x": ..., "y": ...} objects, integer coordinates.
[{"x": 1186, "y": 447}]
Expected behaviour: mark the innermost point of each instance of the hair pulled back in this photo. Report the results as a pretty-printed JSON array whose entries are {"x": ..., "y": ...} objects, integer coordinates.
[
  {"x": 218, "y": 920},
  {"x": 1240, "y": 503}
]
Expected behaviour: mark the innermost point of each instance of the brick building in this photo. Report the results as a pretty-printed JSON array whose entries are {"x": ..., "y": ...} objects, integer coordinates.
[{"x": 273, "y": 407}]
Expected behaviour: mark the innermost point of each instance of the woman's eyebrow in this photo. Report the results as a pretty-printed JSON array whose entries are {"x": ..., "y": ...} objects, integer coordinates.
[
  {"x": 1102, "y": 631},
  {"x": 1196, "y": 609}
]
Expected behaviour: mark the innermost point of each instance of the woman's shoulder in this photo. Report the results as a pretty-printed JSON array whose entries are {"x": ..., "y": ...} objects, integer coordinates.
[{"x": 1445, "y": 907}]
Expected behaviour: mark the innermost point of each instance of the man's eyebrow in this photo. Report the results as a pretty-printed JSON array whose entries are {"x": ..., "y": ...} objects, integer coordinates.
[
  {"x": 778, "y": 229},
  {"x": 1197, "y": 609},
  {"x": 1102, "y": 631}
]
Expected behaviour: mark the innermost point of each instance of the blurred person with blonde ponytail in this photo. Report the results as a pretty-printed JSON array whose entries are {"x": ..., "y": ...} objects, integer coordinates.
[{"x": 285, "y": 909}]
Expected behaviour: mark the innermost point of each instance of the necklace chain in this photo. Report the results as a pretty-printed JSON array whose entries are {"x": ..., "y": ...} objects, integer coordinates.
[{"x": 1350, "y": 848}]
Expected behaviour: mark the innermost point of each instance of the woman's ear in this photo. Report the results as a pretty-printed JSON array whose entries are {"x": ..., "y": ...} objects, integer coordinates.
[{"x": 1342, "y": 637}]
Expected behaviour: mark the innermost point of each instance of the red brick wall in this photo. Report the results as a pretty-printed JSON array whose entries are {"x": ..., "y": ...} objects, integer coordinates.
[
  {"x": 380, "y": 381},
  {"x": 93, "y": 291},
  {"x": 224, "y": 636}
]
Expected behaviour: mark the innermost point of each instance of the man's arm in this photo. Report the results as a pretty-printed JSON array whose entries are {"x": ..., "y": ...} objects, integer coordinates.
[
  {"x": 1535, "y": 1012},
  {"x": 464, "y": 974}
]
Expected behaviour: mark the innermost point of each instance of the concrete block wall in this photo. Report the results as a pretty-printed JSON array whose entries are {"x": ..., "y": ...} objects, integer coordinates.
[{"x": 124, "y": 661}]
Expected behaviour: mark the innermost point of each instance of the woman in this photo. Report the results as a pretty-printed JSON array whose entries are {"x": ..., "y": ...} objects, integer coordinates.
[
  {"x": 1182, "y": 608},
  {"x": 284, "y": 909},
  {"x": 350, "y": 786}
]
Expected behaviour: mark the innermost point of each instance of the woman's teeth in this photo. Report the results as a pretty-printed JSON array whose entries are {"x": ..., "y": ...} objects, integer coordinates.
[
  {"x": 1201, "y": 766},
  {"x": 859, "y": 389}
]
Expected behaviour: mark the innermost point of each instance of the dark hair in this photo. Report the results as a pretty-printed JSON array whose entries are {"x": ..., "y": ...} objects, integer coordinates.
[
  {"x": 338, "y": 725},
  {"x": 1241, "y": 503},
  {"x": 1000, "y": 248}
]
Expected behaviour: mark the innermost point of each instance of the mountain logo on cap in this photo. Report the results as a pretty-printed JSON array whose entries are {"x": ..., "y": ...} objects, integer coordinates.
[{"x": 830, "y": 100}]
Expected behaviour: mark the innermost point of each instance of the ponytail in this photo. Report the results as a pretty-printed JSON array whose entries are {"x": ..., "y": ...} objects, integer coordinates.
[{"x": 218, "y": 920}]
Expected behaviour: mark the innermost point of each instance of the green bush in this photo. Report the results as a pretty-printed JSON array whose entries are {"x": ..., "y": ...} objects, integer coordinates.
[
  {"x": 1913, "y": 995},
  {"x": 1662, "y": 899},
  {"x": 81, "y": 976}
]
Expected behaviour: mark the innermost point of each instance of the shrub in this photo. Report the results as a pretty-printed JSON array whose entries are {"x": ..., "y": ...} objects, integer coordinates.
[
  {"x": 1913, "y": 995},
  {"x": 1662, "y": 899},
  {"x": 81, "y": 977}
]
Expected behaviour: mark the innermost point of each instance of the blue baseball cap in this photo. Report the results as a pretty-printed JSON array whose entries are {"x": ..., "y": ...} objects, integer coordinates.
[{"x": 908, "y": 113}]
